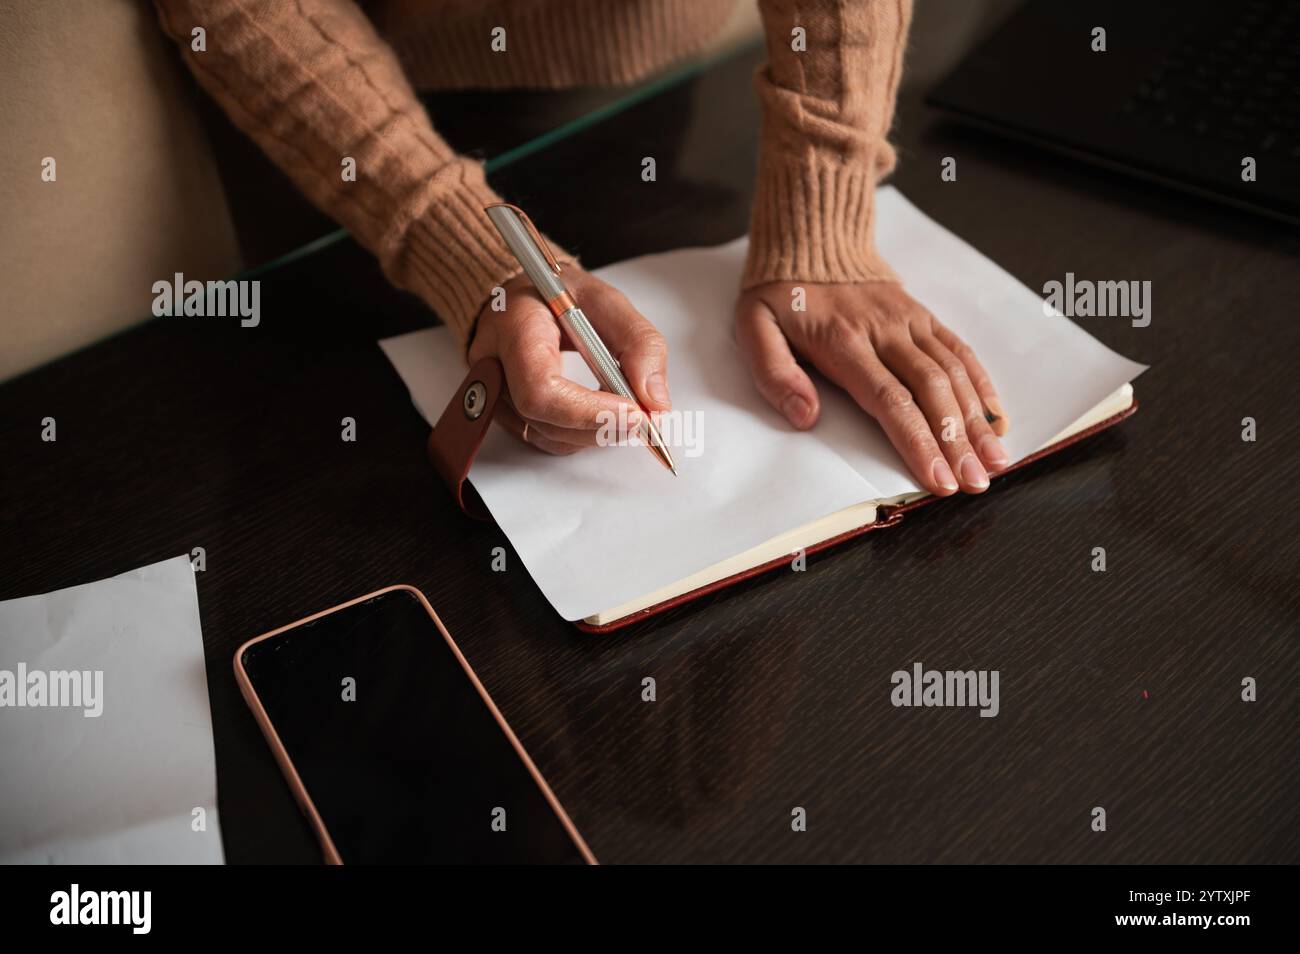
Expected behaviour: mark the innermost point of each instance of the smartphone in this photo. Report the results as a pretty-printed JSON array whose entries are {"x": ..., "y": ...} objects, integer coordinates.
[{"x": 393, "y": 748}]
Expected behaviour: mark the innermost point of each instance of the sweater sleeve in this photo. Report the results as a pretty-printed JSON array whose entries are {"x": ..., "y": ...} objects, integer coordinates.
[
  {"x": 826, "y": 112},
  {"x": 313, "y": 84}
]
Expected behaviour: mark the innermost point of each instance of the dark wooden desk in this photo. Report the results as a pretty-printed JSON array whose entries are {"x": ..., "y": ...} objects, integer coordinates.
[{"x": 1119, "y": 690}]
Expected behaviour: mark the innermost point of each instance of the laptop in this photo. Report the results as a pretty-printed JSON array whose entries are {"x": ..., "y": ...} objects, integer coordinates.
[{"x": 1183, "y": 93}]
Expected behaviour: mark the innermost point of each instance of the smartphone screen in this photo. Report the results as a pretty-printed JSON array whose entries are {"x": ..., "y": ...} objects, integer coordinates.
[{"x": 400, "y": 754}]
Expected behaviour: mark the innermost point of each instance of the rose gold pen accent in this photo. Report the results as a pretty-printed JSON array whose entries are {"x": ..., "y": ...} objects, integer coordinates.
[
  {"x": 561, "y": 303},
  {"x": 658, "y": 447}
]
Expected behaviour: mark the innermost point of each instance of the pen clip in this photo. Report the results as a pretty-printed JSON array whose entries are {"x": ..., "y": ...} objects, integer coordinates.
[{"x": 532, "y": 229}]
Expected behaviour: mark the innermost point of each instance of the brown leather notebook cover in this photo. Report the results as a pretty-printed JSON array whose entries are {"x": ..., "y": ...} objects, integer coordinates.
[{"x": 460, "y": 430}]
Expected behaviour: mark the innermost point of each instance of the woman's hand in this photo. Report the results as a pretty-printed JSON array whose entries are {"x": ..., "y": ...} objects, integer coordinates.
[
  {"x": 918, "y": 379},
  {"x": 545, "y": 408}
]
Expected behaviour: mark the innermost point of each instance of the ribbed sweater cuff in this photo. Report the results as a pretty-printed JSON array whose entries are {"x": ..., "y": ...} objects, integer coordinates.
[
  {"x": 813, "y": 221},
  {"x": 454, "y": 257}
]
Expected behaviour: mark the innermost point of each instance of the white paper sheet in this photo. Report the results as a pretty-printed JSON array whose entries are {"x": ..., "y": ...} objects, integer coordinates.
[
  {"x": 1048, "y": 371},
  {"x": 120, "y": 787},
  {"x": 604, "y": 527}
]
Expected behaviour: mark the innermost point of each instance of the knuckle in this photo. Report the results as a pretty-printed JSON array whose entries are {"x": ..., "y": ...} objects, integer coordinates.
[
  {"x": 918, "y": 440},
  {"x": 952, "y": 431},
  {"x": 840, "y": 332},
  {"x": 933, "y": 378},
  {"x": 649, "y": 341},
  {"x": 891, "y": 397},
  {"x": 955, "y": 370},
  {"x": 782, "y": 372},
  {"x": 894, "y": 324},
  {"x": 607, "y": 292},
  {"x": 533, "y": 399}
]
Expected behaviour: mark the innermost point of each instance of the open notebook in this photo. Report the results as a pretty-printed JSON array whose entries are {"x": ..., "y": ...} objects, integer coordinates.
[{"x": 607, "y": 534}]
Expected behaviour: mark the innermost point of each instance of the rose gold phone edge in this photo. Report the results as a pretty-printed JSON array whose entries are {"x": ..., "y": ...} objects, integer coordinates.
[{"x": 290, "y": 772}]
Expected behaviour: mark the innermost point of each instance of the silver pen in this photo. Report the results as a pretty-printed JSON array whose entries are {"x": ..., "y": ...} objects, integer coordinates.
[{"x": 528, "y": 246}]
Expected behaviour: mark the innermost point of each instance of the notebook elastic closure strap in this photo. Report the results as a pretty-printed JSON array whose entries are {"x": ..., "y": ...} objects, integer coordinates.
[{"x": 460, "y": 430}]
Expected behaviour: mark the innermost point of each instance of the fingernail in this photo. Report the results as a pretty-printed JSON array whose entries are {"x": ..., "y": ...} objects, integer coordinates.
[
  {"x": 993, "y": 452},
  {"x": 795, "y": 409},
  {"x": 973, "y": 473},
  {"x": 996, "y": 416},
  {"x": 943, "y": 474},
  {"x": 657, "y": 386}
]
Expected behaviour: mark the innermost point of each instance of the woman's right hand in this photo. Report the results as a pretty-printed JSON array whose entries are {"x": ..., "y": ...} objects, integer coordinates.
[{"x": 546, "y": 409}]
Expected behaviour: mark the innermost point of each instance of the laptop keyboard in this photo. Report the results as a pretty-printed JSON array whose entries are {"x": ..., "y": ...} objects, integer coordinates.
[{"x": 1235, "y": 81}]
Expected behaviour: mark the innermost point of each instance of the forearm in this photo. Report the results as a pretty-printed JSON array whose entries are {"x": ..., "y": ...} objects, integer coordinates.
[
  {"x": 826, "y": 114},
  {"x": 313, "y": 84}
]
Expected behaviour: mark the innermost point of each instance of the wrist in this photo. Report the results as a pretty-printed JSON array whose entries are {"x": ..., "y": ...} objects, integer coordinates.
[{"x": 796, "y": 235}]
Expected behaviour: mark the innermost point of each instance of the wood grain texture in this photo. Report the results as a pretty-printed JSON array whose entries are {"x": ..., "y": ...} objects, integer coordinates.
[{"x": 775, "y": 694}]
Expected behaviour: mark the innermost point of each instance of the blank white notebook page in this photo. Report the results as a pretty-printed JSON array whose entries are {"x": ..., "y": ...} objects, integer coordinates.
[{"x": 608, "y": 525}]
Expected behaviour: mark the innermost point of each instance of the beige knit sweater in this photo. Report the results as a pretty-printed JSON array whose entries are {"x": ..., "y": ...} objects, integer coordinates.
[{"x": 315, "y": 81}]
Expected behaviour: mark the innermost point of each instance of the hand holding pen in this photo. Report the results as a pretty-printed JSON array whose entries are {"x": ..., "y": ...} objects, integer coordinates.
[{"x": 550, "y": 411}]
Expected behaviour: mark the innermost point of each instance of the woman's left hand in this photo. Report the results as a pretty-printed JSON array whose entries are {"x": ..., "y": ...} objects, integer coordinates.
[{"x": 922, "y": 383}]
